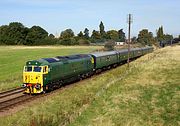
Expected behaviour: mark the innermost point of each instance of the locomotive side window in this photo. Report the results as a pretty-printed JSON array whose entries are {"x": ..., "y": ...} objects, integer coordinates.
[{"x": 45, "y": 69}]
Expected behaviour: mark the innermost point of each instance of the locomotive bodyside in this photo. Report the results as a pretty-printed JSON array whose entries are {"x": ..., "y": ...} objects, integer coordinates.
[{"x": 48, "y": 73}]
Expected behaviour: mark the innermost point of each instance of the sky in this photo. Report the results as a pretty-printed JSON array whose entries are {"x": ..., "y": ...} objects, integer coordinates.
[{"x": 57, "y": 15}]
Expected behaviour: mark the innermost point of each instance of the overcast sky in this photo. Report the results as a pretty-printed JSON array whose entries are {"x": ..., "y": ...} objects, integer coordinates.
[{"x": 58, "y": 15}]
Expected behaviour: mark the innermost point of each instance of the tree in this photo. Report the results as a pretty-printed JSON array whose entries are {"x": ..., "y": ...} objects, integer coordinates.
[
  {"x": 13, "y": 34},
  {"x": 17, "y": 34},
  {"x": 68, "y": 33},
  {"x": 96, "y": 36},
  {"x": 67, "y": 37},
  {"x": 86, "y": 33},
  {"x": 145, "y": 37},
  {"x": 80, "y": 35},
  {"x": 112, "y": 35},
  {"x": 4, "y": 30},
  {"x": 101, "y": 29},
  {"x": 160, "y": 34},
  {"x": 168, "y": 37},
  {"x": 122, "y": 36},
  {"x": 36, "y": 36},
  {"x": 134, "y": 39},
  {"x": 51, "y": 36}
]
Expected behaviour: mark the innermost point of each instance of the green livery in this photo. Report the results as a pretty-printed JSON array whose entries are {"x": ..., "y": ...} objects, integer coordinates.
[{"x": 48, "y": 73}]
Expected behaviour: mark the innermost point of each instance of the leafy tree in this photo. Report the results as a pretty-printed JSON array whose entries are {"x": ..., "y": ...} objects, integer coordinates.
[
  {"x": 113, "y": 35},
  {"x": 13, "y": 34},
  {"x": 96, "y": 36},
  {"x": 50, "y": 40},
  {"x": 160, "y": 34},
  {"x": 102, "y": 31},
  {"x": 36, "y": 36},
  {"x": 86, "y": 33},
  {"x": 80, "y": 35},
  {"x": 122, "y": 36},
  {"x": 68, "y": 33},
  {"x": 134, "y": 39},
  {"x": 168, "y": 37},
  {"x": 67, "y": 37},
  {"x": 83, "y": 39},
  {"x": 4, "y": 31},
  {"x": 145, "y": 37},
  {"x": 51, "y": 36},
  {"x": 17, "y": 34}
]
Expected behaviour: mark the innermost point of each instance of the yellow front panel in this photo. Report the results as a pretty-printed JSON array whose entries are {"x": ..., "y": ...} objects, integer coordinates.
[{"x": 33, "y": 78}]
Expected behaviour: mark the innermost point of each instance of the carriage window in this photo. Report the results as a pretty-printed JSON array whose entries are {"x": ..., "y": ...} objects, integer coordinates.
[
  {"x": 37, "y": 69},
  {"x": 28, "y": 69}
]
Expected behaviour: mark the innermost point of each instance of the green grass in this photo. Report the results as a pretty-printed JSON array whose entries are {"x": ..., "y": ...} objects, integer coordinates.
[
  {"x": 147, "y": 94},
  {"x": 13, "y": 58}
]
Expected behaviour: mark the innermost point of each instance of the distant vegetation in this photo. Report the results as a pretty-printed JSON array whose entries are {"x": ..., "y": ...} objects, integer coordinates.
[{"x": 17, "y": 34}]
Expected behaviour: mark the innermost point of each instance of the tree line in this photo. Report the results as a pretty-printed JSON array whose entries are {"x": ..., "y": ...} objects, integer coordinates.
[
  {"x": 17, "y": 34},
  {"x": 145, "y": 37}
]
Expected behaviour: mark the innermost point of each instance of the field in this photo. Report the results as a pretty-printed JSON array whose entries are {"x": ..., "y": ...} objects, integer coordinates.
[
  {"x": 13, "y": 58},
  {"x": 147, "y": 93}
]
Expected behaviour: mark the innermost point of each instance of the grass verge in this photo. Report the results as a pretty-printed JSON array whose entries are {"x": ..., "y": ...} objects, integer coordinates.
[{"x": 148, "y": 95}]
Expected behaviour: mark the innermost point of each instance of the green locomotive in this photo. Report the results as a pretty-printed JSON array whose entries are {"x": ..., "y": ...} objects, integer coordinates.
[{"x": 48, "y": 73}]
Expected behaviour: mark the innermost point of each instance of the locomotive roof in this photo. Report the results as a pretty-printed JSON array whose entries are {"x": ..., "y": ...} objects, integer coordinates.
[
  {"x": 99, "y": 54},
  {"x": 37, "y": 62},
  {"x": 45, "y": 61},
  {"x": 65, "y": 58}
]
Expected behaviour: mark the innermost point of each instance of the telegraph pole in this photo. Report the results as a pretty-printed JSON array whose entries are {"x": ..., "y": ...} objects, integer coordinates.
[{"x": 129, "y": 21}]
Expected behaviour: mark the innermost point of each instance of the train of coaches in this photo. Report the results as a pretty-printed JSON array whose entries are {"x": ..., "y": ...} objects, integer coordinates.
[{"x": 46, "y": 74}]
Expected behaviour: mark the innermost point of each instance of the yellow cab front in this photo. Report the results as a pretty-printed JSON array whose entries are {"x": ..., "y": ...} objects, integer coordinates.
[{"x": 33, "y": 79}]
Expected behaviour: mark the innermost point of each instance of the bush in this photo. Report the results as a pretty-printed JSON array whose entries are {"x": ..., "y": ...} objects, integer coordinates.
[
  {"x": 83, "y": 42},
  {"x": 109, "y": 45}
]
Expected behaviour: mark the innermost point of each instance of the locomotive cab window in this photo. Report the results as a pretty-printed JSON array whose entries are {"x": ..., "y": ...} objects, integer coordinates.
[
  {"x": 28, "y": 69},
  {"x": 37, "y": 69}
]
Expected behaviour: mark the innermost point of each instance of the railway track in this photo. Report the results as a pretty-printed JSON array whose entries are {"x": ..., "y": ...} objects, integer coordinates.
[
  {"x": 10, "y": 103},
  {"x": 14, "y": 97},
  {"x": 11, "y": 92},
  {"x": 11, "y": 97}
]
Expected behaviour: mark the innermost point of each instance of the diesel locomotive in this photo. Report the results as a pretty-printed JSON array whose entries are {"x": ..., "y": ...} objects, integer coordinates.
[{"x": 46, "y": 74}]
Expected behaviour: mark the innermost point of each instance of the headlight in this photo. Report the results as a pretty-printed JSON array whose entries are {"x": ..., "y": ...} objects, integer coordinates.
[
  {"x": 37, "y": 86},
  {"x": 24, "y": 85}
]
